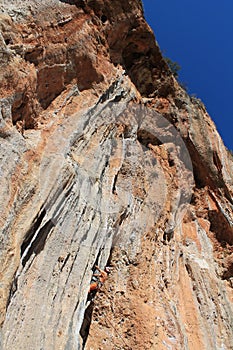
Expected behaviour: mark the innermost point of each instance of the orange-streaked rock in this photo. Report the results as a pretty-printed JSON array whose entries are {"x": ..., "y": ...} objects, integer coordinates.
[{"x": 94, "y": 171}]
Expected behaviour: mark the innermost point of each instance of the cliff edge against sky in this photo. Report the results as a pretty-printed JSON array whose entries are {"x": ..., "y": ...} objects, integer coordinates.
[{"x": 106, "y": 160}]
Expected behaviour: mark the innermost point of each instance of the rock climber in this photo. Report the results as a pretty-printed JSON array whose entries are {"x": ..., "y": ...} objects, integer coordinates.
[{"x": 98, "y": 279}]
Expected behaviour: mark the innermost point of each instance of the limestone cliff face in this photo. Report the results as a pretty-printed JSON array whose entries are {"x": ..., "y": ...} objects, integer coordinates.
[{"x": 106, "y": 160}]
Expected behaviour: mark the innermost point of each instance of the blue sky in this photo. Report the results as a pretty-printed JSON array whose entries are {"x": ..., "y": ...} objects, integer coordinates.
[{"x": 199, "y": 36}]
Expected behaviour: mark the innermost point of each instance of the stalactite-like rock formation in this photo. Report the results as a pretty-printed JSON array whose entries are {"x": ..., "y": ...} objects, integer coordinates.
[{"x": 105, "y": 159}]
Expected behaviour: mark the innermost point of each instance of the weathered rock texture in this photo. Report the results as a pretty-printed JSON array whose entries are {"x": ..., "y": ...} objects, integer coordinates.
[{"x": 106, "y": 160}]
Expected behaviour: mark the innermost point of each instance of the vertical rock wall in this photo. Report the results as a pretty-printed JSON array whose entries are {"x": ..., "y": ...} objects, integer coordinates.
[{"x": 106, "y": 160}]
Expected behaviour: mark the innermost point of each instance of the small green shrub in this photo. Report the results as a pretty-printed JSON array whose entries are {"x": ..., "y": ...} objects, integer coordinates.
[{"x": 174, "y": 66}]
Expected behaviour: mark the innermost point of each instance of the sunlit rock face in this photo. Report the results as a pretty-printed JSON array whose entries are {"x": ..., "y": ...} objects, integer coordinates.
[{"x": 105, "y": 160}]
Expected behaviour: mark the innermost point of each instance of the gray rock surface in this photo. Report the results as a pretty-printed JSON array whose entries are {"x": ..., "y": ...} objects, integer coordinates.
[{"x": 106, "y": 160}]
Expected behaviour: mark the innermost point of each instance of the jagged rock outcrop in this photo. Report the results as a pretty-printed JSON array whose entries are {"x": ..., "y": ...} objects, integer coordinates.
[{"x": 105, "y": 159}]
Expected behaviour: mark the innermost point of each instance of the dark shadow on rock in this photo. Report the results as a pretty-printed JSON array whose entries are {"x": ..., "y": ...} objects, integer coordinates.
[
  {"x": 78, "y": 3},
  {"x": 84, "y": 331}
]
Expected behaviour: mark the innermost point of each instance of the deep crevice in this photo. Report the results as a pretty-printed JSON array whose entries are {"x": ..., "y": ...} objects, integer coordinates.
[
  {"x": 84, "y": 331},
  {"x": 31, "y": 232},
  {"x": 38, "y": 244}
]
